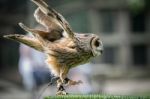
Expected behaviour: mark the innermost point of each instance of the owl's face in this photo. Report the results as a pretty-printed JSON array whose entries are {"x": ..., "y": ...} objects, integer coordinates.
[{"x": 96, "y": 45}]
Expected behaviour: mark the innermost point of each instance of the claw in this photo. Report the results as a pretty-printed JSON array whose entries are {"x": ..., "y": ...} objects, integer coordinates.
[
  {"x": 61, "y": 93},
  {"x": 71, "y": 82}
]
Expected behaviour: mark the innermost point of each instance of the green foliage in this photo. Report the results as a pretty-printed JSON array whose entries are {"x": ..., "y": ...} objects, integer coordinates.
[
  {"x": 96, "y": 97},
  {"x": 136, "y": 5}
]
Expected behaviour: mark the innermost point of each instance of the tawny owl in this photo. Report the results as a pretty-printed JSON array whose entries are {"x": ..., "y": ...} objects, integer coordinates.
[{"x": 64, "y": 48}]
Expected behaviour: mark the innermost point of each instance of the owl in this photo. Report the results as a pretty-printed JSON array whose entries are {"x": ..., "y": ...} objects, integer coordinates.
[{"x": 64, "y": 48}]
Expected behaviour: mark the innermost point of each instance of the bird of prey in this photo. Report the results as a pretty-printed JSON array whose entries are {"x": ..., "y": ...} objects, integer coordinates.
[{"x": 64, "y": 48}]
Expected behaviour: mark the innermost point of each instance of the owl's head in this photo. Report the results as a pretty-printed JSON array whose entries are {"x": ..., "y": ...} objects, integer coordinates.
[{"x": 90, "y": 43}]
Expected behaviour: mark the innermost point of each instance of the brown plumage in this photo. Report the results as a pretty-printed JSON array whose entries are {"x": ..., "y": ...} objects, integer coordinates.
[{"x": 64, "y": 48}]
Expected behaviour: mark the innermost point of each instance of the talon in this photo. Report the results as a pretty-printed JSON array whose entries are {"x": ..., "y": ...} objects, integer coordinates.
[
  {"x": 61, "y": 88},
  {"x": 61, "y": 93},
  {"x": 80, "y": 82},
  {"x": 71, "y": 82}
]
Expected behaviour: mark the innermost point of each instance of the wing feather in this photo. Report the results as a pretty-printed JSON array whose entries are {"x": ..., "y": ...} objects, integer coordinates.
[
  {"x": 29, "y": 41},
  {"x": 51, "y": 19}
]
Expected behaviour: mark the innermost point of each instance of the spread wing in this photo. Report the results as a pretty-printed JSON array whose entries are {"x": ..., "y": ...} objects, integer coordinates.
[
  {"x": 56, "y": 25},
  {"x": 54, "y": 22},
  {"x": 32, "y": 42}
]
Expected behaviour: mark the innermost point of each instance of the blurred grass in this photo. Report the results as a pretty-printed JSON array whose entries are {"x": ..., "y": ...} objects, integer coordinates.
[{"x": 96, "y": 97}]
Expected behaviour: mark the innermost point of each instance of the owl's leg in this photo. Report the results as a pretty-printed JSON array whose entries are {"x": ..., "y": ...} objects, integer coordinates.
[
  {"x": 60, "y": 82},
  {"x": 71, "y": 82},
  {"x": 60, "y": 90},
  {"x": 65, "y": 80}
]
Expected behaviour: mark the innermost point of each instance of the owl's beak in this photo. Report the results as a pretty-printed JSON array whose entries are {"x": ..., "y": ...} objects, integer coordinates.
[
  {"x": 101, "y": 47},
  {"x": 101, "y": 51}
]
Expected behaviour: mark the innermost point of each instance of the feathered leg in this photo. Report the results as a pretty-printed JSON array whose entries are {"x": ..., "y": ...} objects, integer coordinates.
[
  {"x": 60, "y": 88},
  {"x": 63, "y": 74},
  {"x": 65, "y": 81}
]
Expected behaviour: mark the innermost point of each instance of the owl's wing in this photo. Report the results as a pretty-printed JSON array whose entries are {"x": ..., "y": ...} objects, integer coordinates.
[
  {"x": 32, "y": 42},
  {"x": 52, "y": 20}
]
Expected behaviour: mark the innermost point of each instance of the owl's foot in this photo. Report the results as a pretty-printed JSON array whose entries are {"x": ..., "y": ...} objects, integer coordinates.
[
  {"x": 61, "y": 93},
  {"x": 71, "y": 82}
]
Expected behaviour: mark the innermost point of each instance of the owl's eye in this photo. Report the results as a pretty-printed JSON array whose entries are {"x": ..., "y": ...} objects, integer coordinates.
[
  {"x": 86, "y": 35},
  {"x": 97, "y": 43}
]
